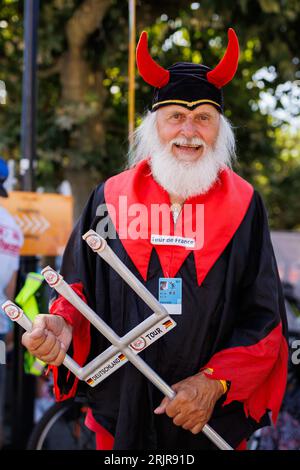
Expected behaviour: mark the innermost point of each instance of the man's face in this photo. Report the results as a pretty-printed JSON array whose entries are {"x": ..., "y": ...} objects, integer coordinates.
[{"x": 195, "y": 130}]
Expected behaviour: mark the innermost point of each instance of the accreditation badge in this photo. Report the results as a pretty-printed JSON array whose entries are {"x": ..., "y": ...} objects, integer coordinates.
[{"x": 170, "y": 294}]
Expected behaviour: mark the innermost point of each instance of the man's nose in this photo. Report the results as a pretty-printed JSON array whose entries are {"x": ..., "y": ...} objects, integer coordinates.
[{"x": 189, "y": 129}]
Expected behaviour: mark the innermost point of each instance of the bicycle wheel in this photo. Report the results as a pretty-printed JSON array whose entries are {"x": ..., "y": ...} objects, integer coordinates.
[{"x": 62, "y": 428}]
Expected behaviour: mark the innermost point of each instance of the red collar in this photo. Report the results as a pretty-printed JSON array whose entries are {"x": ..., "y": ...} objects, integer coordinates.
[{"x": 225, "y": 206}]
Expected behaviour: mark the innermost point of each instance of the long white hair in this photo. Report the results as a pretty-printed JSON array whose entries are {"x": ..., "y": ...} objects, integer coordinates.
[{"x": 177, "y": 177}]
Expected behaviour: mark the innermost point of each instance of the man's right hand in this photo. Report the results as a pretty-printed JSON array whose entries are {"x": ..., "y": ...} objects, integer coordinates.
[{"x": 49, "y": 338}]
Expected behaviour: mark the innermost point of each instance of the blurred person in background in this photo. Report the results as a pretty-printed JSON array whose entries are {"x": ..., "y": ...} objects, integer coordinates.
[{"x": 11, "y": 240}]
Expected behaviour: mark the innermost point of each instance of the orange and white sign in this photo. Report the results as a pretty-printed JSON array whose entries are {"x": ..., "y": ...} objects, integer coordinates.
[{"x": 46, "y": 221}]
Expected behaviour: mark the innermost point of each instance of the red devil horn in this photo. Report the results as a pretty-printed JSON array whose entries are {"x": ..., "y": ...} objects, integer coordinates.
[
  {"x": 226, "y": 68},
  {"x": 151, "y": 72}
]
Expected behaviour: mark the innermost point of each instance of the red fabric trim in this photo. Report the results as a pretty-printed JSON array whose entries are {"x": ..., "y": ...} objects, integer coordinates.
[
  {"x": 81, "y": 336},
  {"x": 225, "y": 206},
  {"x": 104, "y": 440},
  {"x": 258, "y": 374},
  {"x": 242, "y": 445}
]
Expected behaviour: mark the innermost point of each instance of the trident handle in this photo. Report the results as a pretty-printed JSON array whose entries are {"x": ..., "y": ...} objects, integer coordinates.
[{"x": 17, "y": 315}]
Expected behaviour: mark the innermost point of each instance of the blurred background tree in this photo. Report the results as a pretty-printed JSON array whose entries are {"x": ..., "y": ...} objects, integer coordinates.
[{"x": 83, "y": 87}]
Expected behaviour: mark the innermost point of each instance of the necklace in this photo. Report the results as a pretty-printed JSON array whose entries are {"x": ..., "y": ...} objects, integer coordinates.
[{"x": 176, "y": 209}]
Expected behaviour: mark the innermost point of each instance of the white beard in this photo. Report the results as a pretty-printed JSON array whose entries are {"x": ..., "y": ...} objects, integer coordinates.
[{"x": 187, "y": 179}]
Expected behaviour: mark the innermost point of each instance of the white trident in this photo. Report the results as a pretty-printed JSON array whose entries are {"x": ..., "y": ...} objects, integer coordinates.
[{"x": 122, "y": 349}]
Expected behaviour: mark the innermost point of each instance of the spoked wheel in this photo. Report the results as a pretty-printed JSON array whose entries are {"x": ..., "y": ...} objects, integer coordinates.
[{"x": 62, "y": 428}]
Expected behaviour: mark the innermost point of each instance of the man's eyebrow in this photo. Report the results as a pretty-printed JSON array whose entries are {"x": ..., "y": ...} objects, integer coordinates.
[
  {"x": 175, "y": 111},
  {"x": 204, "y": 113},
  {"x": 200, "y": 113}
]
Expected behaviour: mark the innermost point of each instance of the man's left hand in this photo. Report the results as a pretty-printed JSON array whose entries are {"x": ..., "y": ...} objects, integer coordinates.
[{"x": 193, "y": 405}]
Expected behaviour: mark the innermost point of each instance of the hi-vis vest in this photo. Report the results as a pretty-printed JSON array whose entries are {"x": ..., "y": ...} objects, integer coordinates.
[{"x": 27, "y": 301}]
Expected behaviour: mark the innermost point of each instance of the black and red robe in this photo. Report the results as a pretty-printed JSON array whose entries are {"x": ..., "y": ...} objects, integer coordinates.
[{"x": 233, "y": 314}]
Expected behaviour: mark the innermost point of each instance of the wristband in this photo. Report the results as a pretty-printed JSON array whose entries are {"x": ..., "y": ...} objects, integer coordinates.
[{"x": 223, "y": 382}]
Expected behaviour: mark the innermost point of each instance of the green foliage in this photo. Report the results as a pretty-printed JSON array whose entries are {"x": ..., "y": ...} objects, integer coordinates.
[{"x": 282, "y": 183}]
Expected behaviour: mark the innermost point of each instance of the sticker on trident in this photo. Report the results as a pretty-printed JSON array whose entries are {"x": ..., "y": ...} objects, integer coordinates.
[{"x": 122, "y": 349}]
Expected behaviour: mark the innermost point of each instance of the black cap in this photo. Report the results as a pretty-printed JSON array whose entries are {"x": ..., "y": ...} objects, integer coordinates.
[{"x": 188, "y": 87}]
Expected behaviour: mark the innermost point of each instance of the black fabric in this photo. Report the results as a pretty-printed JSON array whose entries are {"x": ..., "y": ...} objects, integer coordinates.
[
  {"x": 188, "y": 83},
  {"x": 227, "y": 310}
]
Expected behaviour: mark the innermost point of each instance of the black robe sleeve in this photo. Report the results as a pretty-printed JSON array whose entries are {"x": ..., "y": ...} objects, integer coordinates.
[
  {"x": 78, "y": 266},
  {"x": 254, "y": 359}
]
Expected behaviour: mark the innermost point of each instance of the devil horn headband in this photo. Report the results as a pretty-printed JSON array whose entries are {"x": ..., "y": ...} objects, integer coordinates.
[{"x": 158, "y": 77}]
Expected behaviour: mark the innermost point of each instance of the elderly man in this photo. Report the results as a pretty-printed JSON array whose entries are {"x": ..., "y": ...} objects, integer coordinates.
[{"x": 196, "y": 234}]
